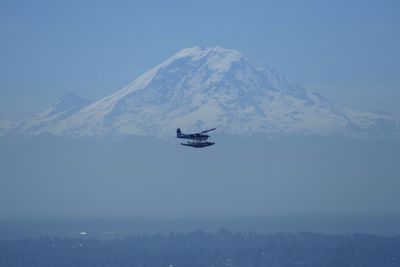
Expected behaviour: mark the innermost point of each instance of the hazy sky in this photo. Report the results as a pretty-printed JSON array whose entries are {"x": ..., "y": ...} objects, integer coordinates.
[{"x": 346, "y": 50}]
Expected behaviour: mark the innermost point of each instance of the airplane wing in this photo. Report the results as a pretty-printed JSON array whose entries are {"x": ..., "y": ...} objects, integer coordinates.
[{"x": 206, "y": 131}]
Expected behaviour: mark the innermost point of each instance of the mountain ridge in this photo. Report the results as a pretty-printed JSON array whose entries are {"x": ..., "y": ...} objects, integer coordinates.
[{"x": 202, "y": 87}]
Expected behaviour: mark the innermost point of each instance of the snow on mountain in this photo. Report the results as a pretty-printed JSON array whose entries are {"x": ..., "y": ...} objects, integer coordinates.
[
  {"x": 4, "y": 126},
  {"x": 204, "y": 87},
  {"x": 44, "y": 121}
]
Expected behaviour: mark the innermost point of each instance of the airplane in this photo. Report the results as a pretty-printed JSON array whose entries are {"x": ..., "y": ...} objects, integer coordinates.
[{"x": 197, "y": 140}]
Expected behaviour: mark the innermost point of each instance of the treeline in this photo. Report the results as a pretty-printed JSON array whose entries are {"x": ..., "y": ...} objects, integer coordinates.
[{"x": 206, "y": 249}]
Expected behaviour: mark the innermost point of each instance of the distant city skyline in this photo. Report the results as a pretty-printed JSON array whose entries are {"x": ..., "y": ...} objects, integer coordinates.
[{"x": 345, "y": 50}]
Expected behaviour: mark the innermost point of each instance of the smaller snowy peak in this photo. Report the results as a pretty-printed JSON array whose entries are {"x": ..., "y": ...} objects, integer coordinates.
[
  {"x": 69, "y": 101},
  {"x": 70, "y": 98},
  {"x": 67, "y": 104},
  {"x": 43, "y": 120},
  {"x": 5, "y": 125}
]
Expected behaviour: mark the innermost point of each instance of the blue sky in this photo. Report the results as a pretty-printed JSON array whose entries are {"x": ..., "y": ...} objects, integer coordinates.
[{"x": 346, "y": 50}]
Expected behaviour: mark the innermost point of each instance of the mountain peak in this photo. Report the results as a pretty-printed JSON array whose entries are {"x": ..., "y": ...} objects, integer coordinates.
[
  {"x": 216, "y": 58},
  {"x": 201, "y": 51}
]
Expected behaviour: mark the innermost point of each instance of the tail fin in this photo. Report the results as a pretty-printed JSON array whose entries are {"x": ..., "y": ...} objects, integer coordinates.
[{"x": 178, "y": 133}]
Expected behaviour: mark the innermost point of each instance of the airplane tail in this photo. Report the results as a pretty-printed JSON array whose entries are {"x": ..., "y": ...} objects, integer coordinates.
[{"x": 178, "y": 133}]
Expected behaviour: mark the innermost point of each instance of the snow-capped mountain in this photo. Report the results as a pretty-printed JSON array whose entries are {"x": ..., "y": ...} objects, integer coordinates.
[{"x": 204, "y": 87}]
